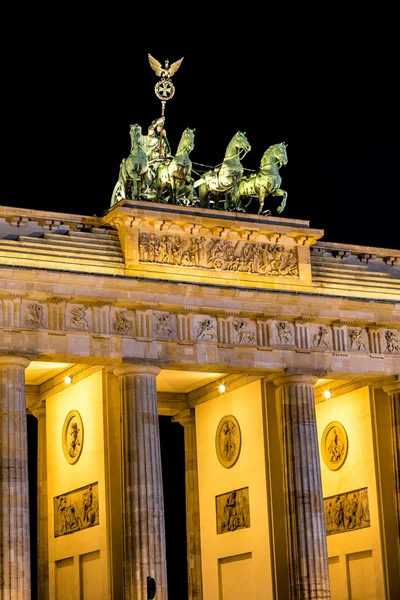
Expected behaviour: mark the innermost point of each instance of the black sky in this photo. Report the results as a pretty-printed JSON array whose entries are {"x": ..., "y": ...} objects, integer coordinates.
[{"x": 329, "y": 92}]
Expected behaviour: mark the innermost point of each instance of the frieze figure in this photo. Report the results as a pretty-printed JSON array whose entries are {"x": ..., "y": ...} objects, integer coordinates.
[
  {"x": 164, "y": 326},
  {"x": 206, "y": 330},
  {"x": 34, "y": 318},
  {"x": 241, "y": 334},
  {"x": 285, "y": 335},
  {"x": 355, "y": 336},
  {"x": 319, "y": 338},
  {"x": 78, "y": 317},
  {"x": 121, "y": 323},
  {"x": 392, "y": 343}
]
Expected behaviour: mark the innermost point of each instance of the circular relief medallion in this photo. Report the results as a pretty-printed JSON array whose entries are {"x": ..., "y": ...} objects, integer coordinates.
[
  {"x": 334, "y": 445},
  {"x": 72, "y": 436},
  {"x": 228, "y": 441}
]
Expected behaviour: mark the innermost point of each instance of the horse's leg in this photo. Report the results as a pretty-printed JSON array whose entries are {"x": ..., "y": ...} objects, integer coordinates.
[
  {"x": 261, "y": 198},
  {"x": 282, "y": 205},
  {"x": 134, "y": 185}
]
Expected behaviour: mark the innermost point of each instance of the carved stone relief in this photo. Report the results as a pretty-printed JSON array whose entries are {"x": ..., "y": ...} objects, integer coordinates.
[
  {"x": 392, "y": 341},
  {"x": 284, "y": 333},
  {"x": 228, "y": 441},
  {"x": 164, "y": 324},
  {"x": 321, "y": 337},
  {"x": 233, "y": 510},
  {"x": 347, "y": 512},
  {"x": 205, "y": 328},
  {"x": 121, "y": 323},
  {"x": 72, "y": 436},
  {"x": 76, "y": 510},
  {"x": 244, "y": 331},
  {"x": 78, "y": 317},
  {"x": 356, "y": 339},
  {"x": 34, "y": 315},
  {"x": 334, "y": 445},
  {"x": 218, "y": 254}
]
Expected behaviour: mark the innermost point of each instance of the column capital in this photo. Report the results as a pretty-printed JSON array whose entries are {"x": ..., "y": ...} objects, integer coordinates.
[
  {"x": 38, "y": 410},
  {"x": 14, "y": 361},
  {"x": 185, "y": 417},
  {"x": 132, "y": 369},
  {"x": 392, "y": 388},
  {"x": 297, "y": 379}
]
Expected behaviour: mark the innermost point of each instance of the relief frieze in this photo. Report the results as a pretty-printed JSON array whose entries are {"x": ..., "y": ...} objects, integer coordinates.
[
  {"x": 76, "y": 510},
  {"x": 347, "y": 512},
  {"x": 218, "y": 254}
]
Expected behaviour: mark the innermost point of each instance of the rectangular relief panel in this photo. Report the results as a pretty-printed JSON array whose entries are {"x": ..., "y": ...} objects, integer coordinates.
[
  {"x": 347, "y": 512},
  {"x": 76, "y": 510},
  {"x": 233, "y": 510},
  {"x": 236, "y": 577}
]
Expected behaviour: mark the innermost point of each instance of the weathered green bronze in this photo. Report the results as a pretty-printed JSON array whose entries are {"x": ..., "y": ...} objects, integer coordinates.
[
  {"x": 221, "y": 184},
  {"x": 266, "y": 181},
  {"x": 152, "y": 173}
]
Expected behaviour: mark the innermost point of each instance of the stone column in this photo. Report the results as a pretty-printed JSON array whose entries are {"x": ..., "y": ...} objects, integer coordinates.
[
  {"x": 142, "y": 491},
  {"x": 393, "y": 391},
  {"x": 188, "y": 420},
  {"x": 15, "y": 567},
  {"x": 42, "y": 518},
  {"x": 305, "y": 520}
]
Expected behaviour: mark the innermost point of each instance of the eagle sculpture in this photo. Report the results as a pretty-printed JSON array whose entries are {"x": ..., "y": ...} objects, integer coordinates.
[{"x": 167, "y": 71}]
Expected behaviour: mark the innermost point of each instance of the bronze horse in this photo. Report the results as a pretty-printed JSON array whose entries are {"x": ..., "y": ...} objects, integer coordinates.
[
  {"x": 221, "y": 184},
  {"x": 173, "y": 181},
  {"x": 132, "y": 169},
  {"x": 266, "y": 181}
]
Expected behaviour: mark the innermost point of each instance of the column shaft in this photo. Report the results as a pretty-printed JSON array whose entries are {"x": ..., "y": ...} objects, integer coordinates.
[
  {"x": 143, "y": 502},
  {"x": 15, "y": 568},
  {"x": 42, "y": 516},
  {"x": 393, "y": 391},
  {"x": 305, "y": 521},
  {"x": 195, "y": 591}
]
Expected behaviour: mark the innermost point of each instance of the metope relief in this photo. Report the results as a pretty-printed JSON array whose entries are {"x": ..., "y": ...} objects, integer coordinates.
[
  {"x": 321, "y": 337},
  {"x": 284, "y": 333},
  {"x": 233, "y": 510},
  {"x": 120, "y": 322},
  {"x": 76, "y": 510},
  {"x": 244, "y": 332},
  {"x": 334, "y": 445},
  {"x": 205, "y": 329},
  {"x": 72, "y": 436},
  {"x": 218, "y": 254},
  {"x": 78, "y": 317},
  {"x": 347, "y": 512},
  {"x": 392, "y": 341},
  {"x": 228, "y": 441},
  {"x": 164, "y": 324},
  {"x": 34, "y": 315},
  {"x": 356, "y": 340}
]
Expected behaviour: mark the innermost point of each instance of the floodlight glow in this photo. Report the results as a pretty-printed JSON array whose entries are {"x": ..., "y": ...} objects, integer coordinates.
[{"x": 327, "y": 394}]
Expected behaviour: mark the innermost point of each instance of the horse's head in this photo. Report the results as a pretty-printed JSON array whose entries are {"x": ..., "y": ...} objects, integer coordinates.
[
  {"x": 241, "y": 142},
  {"x": 135, "y": 132},
  {"x": 187, "y": 141},
  {"x": 277, "y": 152}
]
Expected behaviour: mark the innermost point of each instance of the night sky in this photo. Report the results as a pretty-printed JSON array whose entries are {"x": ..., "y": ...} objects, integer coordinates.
[{"x": 71, "y": 94}]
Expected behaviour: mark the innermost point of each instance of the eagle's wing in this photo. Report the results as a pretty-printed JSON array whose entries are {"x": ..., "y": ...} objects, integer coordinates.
[
  {"x": 155, "y": 65},
  {"x": 175, "y": 66}
]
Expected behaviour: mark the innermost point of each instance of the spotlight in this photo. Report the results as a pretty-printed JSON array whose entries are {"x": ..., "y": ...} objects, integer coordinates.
[
  {"x": 327, "y": 394},
  {"x": 68, "y": 380},
  {"x": 222, "y": 388}
]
